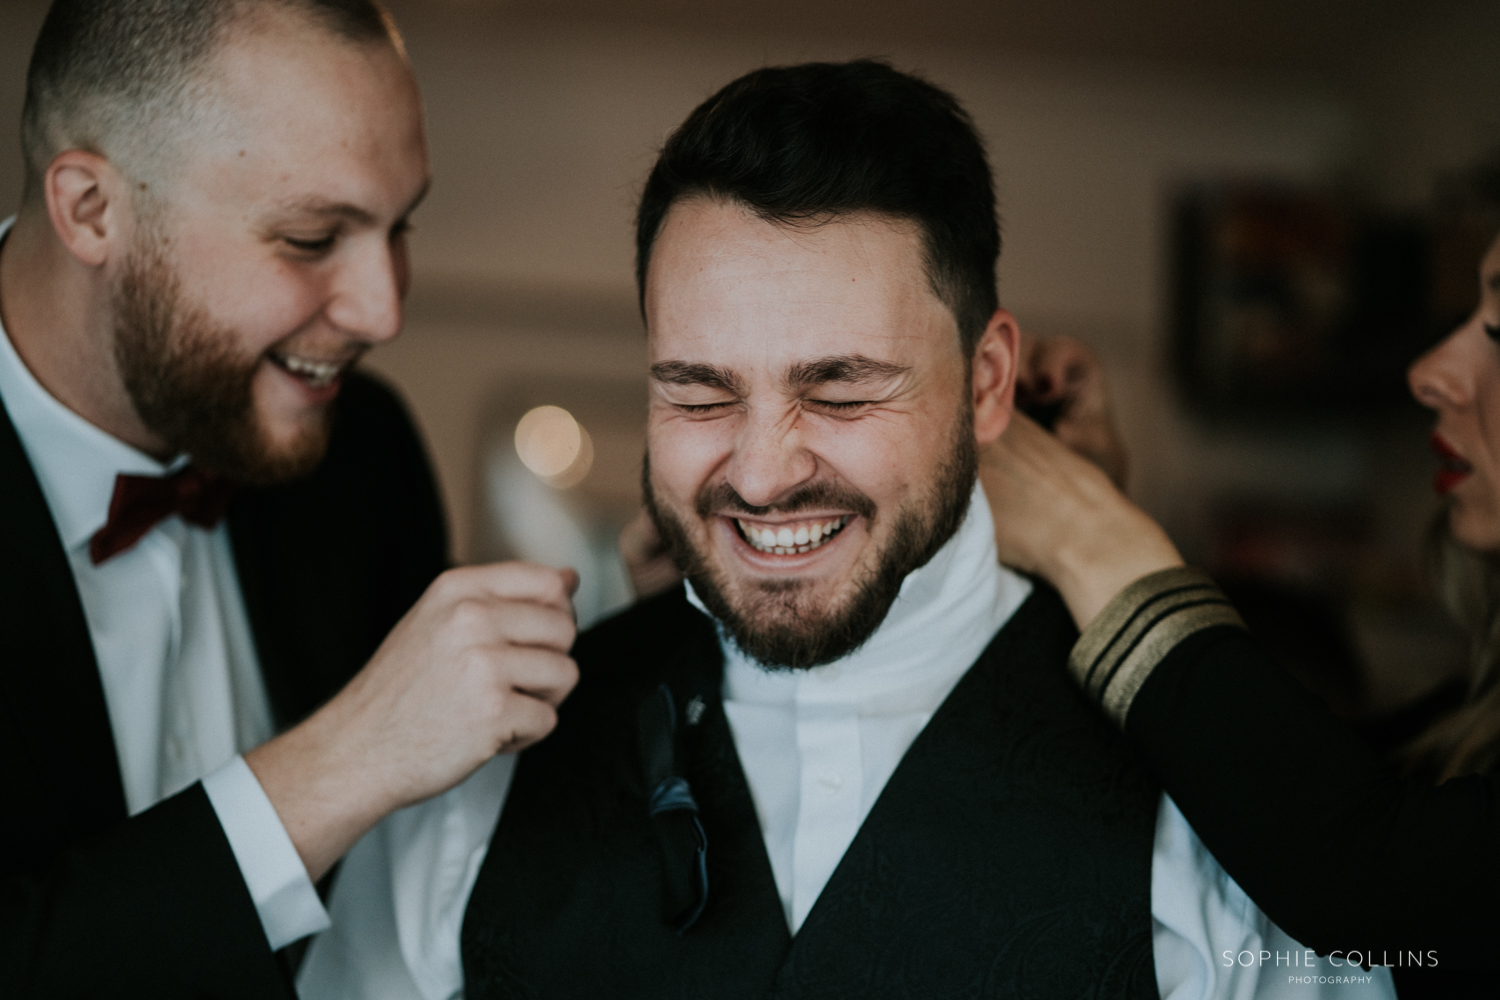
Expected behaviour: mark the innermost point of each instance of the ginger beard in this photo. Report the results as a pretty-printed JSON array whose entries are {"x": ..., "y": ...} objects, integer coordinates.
[
  {"x": 192, "y": 386},
  {"x": 777, "y": 622}
]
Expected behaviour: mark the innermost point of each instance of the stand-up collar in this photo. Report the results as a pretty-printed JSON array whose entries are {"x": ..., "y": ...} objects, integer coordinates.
[{"x": 944, "y": 616}]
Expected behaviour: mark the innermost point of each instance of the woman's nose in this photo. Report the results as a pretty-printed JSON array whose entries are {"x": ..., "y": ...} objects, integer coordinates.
[{"x": 1442, "y": 378}]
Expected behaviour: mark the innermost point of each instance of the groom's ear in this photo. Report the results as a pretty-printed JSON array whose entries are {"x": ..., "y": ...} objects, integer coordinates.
[{"x": 995, "y": 361}]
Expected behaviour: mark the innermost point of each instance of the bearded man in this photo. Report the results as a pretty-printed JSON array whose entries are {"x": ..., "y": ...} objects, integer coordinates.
[
  {"x": 212, "y": 233},
  {"x": 845, "y": 760}
]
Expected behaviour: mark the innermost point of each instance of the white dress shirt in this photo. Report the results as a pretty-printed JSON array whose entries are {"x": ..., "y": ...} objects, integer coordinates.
[
  {"x": 817, "y": 747},
  {"x": 181, "y": 680}
]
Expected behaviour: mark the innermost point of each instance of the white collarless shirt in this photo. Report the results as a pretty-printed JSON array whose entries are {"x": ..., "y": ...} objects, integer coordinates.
[
  {"x": 817, "y": 748},
  {"x": 842, "y": 729},
  {"x": 176, "y": 658}
]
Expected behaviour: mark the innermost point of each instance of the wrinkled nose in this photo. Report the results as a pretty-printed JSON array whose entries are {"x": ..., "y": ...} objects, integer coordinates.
[{"x": 769, "y": 461}]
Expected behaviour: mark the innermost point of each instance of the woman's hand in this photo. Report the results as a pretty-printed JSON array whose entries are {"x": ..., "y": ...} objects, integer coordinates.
[
  {"x": 1061, "y": 385},
  {"x": 1058, "y": 515}
]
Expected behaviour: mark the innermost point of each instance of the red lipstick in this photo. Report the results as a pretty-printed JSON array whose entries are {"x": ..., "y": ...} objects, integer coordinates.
[{"x": 1454, "y": 469}]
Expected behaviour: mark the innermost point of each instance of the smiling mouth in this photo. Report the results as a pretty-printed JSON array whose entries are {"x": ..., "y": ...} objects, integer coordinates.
[
  {"x": 792, "y": 538},
  {"x": 317, "y": 374}
]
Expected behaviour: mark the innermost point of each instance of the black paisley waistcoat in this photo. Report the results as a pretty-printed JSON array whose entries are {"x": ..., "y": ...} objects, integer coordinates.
[{"x": 1008, "y": 856}]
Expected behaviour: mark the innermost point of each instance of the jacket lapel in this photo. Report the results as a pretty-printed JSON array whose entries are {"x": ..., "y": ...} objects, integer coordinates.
[{"x": 60, "y": 774}]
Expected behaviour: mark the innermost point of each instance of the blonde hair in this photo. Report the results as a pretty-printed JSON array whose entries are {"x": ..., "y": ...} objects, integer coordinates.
[
  {"x": 127, "y": 78},
  {"x": 1466, "y": 740}
]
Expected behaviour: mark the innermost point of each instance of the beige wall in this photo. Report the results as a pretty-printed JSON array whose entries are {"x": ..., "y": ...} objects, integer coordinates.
[
  {"x": 541, "y": 133},
  {"x": 541, "y": 136}
]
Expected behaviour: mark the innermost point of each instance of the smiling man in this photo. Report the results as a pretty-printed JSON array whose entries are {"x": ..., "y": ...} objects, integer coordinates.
[
  {"x": 213, "y": 232},
  {"x": 856, "y": 768},
  {"x": 846, "y": 759},
  {"x": 798, "y": 472}
]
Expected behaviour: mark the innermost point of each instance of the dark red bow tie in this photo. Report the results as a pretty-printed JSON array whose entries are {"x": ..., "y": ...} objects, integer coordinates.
[{"x": 140, "y": 503}]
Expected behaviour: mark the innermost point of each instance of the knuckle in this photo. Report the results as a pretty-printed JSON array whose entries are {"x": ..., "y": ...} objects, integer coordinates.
[
  {"x": 451, "y": 585},
  {"x": 476, "y": 659},
  {"x": 538, "y": 721},
  {"x": 495, "y": 700},
  {"x": 508, "y": 571},
  {"x": 468, "y": 614},
  {"x": 441, "y": 588},
  {"x": 568, "y": 672}
]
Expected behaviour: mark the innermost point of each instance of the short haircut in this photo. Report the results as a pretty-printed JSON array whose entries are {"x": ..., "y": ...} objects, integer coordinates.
[
  {"x": 117, "y": 77},
  {"x": 802, "y": 145}
]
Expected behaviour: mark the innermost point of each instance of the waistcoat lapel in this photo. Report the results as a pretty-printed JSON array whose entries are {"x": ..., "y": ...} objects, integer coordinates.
[
  {"x": 1009, "y": 854},
  {"x": 570, "y": 899},
  {"x": 57, "y": 752}
]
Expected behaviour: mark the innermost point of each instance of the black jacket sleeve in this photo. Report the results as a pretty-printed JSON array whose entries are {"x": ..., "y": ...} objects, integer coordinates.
[
  {"x": 95, "y": 905},
  {"x": 1333, "y": 846},
  {"x": 156, "y": 908}
]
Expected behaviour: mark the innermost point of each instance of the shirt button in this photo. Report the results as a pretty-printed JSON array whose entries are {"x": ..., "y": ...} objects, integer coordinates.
[
  {"x": 174, "y": 747},
  {"x": 831, "y": 781}
]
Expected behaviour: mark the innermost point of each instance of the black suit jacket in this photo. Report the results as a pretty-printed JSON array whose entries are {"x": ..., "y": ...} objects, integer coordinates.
[{"x": 93, "y": 904}]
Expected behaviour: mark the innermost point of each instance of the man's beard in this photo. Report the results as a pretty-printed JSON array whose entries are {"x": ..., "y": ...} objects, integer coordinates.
[
  {"x": 190, "y": 385},
  {"x": 775, "y": 623}
]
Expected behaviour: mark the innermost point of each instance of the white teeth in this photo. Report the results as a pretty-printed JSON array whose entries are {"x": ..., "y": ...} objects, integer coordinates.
[
  {"x": 790, "y": 541},
  {"x": 316, "y": 373}
]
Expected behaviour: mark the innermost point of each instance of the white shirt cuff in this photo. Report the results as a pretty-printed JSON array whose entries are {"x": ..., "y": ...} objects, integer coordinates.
[{"x": 284, "y": 896}]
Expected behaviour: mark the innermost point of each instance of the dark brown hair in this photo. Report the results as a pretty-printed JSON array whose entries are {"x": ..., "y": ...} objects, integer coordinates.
[{"x": 801, "y": 145}]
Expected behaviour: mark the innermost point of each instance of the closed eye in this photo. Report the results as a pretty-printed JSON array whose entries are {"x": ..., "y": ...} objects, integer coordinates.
[
  {"x": 839, "y": 406},
  {"x": 317, "y": 246}
]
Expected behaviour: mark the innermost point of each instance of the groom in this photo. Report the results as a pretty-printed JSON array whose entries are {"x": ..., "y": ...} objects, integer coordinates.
[
  {"x": 871, "y": 779},
  {"x": 845, "y": 759}
]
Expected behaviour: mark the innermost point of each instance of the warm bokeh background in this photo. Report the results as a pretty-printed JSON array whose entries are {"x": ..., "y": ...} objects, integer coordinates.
[{"x": 544, "y": 117}]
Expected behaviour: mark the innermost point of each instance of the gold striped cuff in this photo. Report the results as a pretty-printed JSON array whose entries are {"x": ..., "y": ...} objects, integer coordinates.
[{"x": 1136, "y": 630}]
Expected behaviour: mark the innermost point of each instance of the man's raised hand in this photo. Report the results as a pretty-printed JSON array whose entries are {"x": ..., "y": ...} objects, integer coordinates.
[{"x": 477, "y": 667}]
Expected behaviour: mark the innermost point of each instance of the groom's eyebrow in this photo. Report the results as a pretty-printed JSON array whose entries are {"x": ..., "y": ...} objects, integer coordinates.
[
  {"x": 847, "y": 369},
  {"x": 697, "y": 373}
]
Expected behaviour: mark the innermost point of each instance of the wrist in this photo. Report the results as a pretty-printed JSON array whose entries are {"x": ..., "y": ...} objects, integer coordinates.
[
  {"x": 1090, "y": 568},
  {"x": 326, "y": 800}
]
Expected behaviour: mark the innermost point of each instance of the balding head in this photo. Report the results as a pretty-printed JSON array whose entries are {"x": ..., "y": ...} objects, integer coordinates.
[
  {"x": 131, "y": 79},
  {"x": 216, "y": 218}
]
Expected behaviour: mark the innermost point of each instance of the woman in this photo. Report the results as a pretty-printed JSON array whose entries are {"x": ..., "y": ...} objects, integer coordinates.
[{"x": 1333, "y": 845}]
